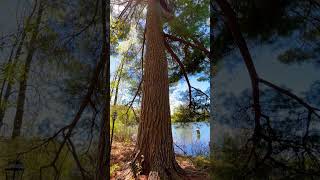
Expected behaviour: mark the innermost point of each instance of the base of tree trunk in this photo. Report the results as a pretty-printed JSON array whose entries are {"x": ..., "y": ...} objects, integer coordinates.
[
  {"x": 129, "y": 174},
  {"x": 158, "y": 172}
]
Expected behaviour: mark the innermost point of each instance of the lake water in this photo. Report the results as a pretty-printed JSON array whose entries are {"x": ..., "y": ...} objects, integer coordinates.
[{"x": 188, "y": 141}]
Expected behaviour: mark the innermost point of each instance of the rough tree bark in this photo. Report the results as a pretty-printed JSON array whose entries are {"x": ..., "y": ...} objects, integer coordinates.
[
  {"x": 23, "y": 80},
  {"x": 104, "y": 147},
  {"x": 155, "y": 141}
]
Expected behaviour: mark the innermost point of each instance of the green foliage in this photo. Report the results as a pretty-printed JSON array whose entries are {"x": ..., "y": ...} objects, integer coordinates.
[
  {"x": 260, "y": 21},
  {"x": 230, "y": 161},
  {"x": 5, "y": 104},
  {"x": 125, "y": 124},
  {"x": 263, "y": 21},
  {"x": 225, "y": 161},
  {"x": 312, "y": 34},
  {"x": 184, "y": 113},
  {"x": 191, "y": 22},
  {"x": 113, "y": 169},
  {"x": 11, "y": 72},
  {"x": 42, "y": 156},
  {"x": 37, "y": 158},
  {"x": 119, "y": 30},
  {"x": 191, "y": 18},
  {"x": 193, "y": 62},
  {"x": 50, "y": 47},
  {"x": 263, "y": 18},
  {"x": 306, "y": 53},
  {"x": 125, "y": 115},
  {"x": 201, "y": 162},
  {"x": 295, "y": 55}
]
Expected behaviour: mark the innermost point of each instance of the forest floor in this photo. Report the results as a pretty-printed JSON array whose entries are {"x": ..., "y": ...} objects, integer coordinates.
[{"x": 122, "y": 152}]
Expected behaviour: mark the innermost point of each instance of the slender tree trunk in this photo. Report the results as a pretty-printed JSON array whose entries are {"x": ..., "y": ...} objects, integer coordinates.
[
  {"x": 6, "y": 79},
  {"x": 9, "y": 84},
  {"x": 23, "y": 80},
  {"x": 116, "y": 79},
  {"x": 104, "y": 148},
  {"x": 4, "y": 100},
  {"x": 15, "y": 60},
  {"x": 212, "y": 75},
  {"x": 118, "y": 83},
  {"x": 155, "y": 141},
  {"x": 119, "y": 74}
]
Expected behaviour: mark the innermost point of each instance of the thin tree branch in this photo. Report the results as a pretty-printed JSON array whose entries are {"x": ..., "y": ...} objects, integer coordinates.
[
  {"x": 176, "y": 58},
  {"x": 197, "y": 46},
  {"x": 231, "y": 21},
  {"x": 291, "y": 95}
]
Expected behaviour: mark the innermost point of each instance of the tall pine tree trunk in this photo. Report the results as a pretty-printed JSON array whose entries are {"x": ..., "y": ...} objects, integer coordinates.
[
  {"x": 155, "y": 141},
  {"x": 104, "y": 146},
  {"x": 17, "y": 124}
]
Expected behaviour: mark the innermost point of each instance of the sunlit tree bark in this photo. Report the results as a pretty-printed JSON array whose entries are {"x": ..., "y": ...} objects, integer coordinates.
[{"x": 155, "y": 141}]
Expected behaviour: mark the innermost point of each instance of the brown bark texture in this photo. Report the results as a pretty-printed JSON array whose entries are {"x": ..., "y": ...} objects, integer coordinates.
[
  {"x": 155, "y": 141},
  {"x": 104, "y": 146}
]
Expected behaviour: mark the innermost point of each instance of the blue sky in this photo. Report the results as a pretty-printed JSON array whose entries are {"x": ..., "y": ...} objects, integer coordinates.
[
  {"x": 233, "y": 78},
  {"x": 175, "y": 91},
  {"x": 181, "y": 86}
]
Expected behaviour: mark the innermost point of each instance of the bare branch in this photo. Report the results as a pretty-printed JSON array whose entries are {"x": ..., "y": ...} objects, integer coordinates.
[
  {"x": 293, "y": 96},
  {"x": 176, "y": 58}
]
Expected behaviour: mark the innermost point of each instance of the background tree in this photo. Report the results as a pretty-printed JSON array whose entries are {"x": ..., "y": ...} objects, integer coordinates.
[
  {"x": 266, "y": 143},
  {"x": 23, "y": 81},
  {"x": 65, "y": 79}
]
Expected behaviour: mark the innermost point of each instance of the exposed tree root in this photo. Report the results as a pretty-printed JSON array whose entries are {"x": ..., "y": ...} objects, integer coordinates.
[
  {"x": 159, "y": 174},
  {"x": 133, "y": 170}
]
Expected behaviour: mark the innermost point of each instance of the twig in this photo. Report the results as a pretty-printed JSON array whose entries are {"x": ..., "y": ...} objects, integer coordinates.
[{"x": 176, "y": 58}]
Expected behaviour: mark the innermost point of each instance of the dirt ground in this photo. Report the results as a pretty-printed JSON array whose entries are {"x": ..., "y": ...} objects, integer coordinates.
[{"x": 121, "y": 154}]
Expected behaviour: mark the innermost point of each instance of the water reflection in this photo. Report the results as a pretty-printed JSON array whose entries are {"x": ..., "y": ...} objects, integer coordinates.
[{"x": 191, "y": 138}]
